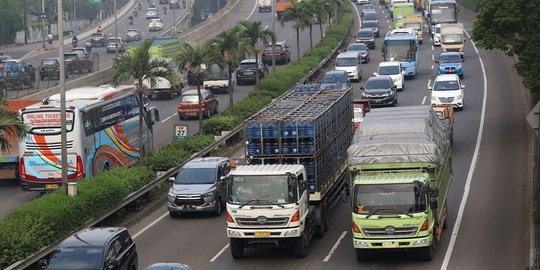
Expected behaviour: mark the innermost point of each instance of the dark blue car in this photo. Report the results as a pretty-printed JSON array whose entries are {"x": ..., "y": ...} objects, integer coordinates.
[
  {"x": 450, "y": 63},
  {"x": 335, "y": 79}
]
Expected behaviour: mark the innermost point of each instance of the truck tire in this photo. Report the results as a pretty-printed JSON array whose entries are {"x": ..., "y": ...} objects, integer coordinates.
[
  {"x": 300, "y": 246},
  {"x": 427, "y": 253},
  {"x": 321, "y": 229},
  {"x": 362, "y": 255},
  {"x": 237, "y": 248}
]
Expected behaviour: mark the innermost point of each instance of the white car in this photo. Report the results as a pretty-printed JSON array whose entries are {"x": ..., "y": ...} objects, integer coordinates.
[
  {"x": 437, "y": 35},
  {"x": 155, "y": 25},
  {"x": 151, "y": 13},
  {"x": 361, "y": 2},
  {"x": 448, "y": 89},
  {"x": 394, "y": 70}
]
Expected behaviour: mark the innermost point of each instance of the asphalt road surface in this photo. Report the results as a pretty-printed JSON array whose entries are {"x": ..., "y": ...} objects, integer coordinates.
[{"x": 488, "y": 202}]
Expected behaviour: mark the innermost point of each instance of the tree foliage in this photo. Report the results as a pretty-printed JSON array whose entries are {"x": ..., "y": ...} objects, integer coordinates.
[
  {"x": 512, "y": 26},
  {"x": 10, "y": 21},
  {"x": 10, "y": 127}
]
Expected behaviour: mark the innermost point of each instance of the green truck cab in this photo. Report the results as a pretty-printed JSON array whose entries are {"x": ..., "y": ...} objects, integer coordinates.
[
  {"x": 400, "y": 171},
  {"x": 399, "y": 11}
]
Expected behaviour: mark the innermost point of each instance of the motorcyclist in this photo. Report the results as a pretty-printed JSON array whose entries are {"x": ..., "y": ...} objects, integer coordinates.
[
  {"x": 88, "y": 46},
  {"x": 99, "y": 29},
  {"x": 184, "y": 3},
  {"x": 74, "y": 41},
  {"x": 165, "y": 10},
  {"x": 135, "y": 13},
  {"x": 50, "y": 38},
  {"x": 140, "y": 5},
  {"x": 130, "y": 18}
]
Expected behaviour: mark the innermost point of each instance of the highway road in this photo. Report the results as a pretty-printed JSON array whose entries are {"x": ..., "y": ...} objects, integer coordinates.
[{"x": 488, "y": 202}]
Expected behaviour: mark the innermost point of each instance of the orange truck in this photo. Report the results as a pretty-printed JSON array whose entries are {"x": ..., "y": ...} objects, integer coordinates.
[
  {"x": 283, "y": 5},
  {"x": 9, "y": 161}
]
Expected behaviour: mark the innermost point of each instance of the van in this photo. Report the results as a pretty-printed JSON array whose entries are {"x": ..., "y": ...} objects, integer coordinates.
[
  {"x": 200, "y": 186},
  {"x": 351, "y": 62}
]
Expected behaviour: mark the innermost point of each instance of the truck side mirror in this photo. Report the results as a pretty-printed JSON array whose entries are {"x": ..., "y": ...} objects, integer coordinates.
[
  {"x": 433, "y": 204},
  {"x": 171, "y": 179},
  {"x": 43, "y": 263}
]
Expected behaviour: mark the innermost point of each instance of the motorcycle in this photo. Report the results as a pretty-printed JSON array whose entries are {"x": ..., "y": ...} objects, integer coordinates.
[
  {"x": 140, "y": 6},
  {"x": 74, "y": 43},
  {"x": 165, "y": 10},
  {"x": 130, "y": 22},
  {"x": 88, "y": 46},
  {"x": 135, "y": 13}
]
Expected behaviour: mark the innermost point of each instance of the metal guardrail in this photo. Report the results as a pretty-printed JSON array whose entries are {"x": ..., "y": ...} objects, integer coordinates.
[{"x": 166, "y": 175}]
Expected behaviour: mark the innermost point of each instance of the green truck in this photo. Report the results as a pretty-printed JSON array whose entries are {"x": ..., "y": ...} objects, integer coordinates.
[
  {"x": 399, "y": 10},
  {"x": 400, "y": 170}
]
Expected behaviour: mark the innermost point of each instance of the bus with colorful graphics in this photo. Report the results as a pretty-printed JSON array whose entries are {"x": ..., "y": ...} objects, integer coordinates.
[{"x": 102, "y": 125}]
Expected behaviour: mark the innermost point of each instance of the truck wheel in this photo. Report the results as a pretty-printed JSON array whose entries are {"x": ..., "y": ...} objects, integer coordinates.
[
  {"x": 362, "y": 255},
  {"x": 321, "y": 229},
  {"x": 300, "y": 246},
  {"x": 237, "y": 248},
  {"x": 427, "y": 253}
]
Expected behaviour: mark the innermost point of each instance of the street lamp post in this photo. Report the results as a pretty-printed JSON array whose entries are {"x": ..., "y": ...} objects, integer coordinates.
[
  {"x": 174, "y": 20},
  {"x": 115, "y": 31},
  {"x": 274, "y": 42},
  {"x": 43, "y": 22},
  {"x": 63, "y": 135}
]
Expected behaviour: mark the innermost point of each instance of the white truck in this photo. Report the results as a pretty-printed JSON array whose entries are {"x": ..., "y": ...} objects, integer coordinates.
[
  {"x": 163, "y": 88},
  {"x": 264, "y": 5},
  {"x": 216, "y": 80},
  {"x": 282, "y": 198},
  {"x": 452, "y": 38}
]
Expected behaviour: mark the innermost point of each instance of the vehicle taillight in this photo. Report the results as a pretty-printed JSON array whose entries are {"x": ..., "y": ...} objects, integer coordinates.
[
  {"x": 425, "y": 226},
  {"x": 296, "y": 216},
  {"x": 203, "y": 105},
  {"x": 229, "y": 218},
  {"x": 264, "y": 53},
  {"x": 80, "y": 168},
  {"x": 22, "y": 169},
  {"x": 355, "y": 228}
]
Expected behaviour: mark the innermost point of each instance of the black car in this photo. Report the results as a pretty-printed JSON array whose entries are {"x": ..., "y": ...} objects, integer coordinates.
[
  {"x": 361, "y": 48},
  {"x": 374, "y": 26},
  {"x": 380, "y": 91},
  {"x": 247, "y": 69},
  {"x": 50, "y": 69},
  {"x": 367, "y": 37},
  {"x": 370, "y": 16},
  {"x": 95, "y": 248},
  {"x": 368, "y": 8}
]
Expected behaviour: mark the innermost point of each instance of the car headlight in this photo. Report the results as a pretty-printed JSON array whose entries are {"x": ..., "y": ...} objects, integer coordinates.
[
  {"x": 434, "y": 99},
  {"x": 208, "y": 194},
  {"x": 458, "y": 66},
  {"x": 172, "y": 194},
  {"x": 459, "y": 97}
]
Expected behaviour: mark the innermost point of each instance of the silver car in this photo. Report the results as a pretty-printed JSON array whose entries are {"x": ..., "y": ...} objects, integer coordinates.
[{"x": 199, "y": 186}]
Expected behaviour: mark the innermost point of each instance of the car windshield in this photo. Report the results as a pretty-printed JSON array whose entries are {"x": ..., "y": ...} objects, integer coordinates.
[
  {"x": 84, "y": 258},
  {"x": 269, "y": 48},
  {"x": 368, "y": 6},
  {"x": 364, "y": 34},
  {"x": 263, "y": 189},
  {"x": 357, "y": 47},
  {"x": 96, "y": 35},
  {"x": 388, "y": 70},
  {"x": 370, "y": 24},
  {"x": 346, "y": 62},
  {"x": 388, "y": 199},
  {"x": 132, "y": 32},
  {"x": 248, "y": 66},
  {"x": 370, "y": 16},
  {"x": 334, "y": 78},
  {"x": 446, "y": 85},
  {"x": 450, "y": 58},
  {"x": 194, "y": 176},
  {"x": 49, "y": 62},
  {"x": 378, "y": 84},
  {"x": 190, "y": 99}
]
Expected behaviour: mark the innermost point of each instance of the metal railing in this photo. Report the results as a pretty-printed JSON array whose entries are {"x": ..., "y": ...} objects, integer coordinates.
[{"x": 237, "y": 131}]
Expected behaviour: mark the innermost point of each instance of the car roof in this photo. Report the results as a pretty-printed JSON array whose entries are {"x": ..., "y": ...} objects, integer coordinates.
[
  {"x": 372, "y": 6},
  {"x": 168, "y": 266},
  {"x": 205, "y": 162},
  {"x": 193, "y": 92},
  {"x": 389, "y": 64},
  {"x": 348, "y": 54},
  {"x": 379, "y": 78},
  {"x": 367, "y": 30},
  {"x": 99, "y": 236},
  {"x": 79, "y": 48},
  {"x": 447, "y": 77},
  {"x": 337, "y": 72}
]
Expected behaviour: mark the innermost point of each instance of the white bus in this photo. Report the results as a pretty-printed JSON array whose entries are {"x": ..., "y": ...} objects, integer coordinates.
[{"x": 102, "y": 126}]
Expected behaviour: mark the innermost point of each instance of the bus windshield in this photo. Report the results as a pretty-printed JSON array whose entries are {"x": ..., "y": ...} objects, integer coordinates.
[
  {"x": 261, "y": 189},
  {"x": 47, "y": 122},
  {"x": 443, "y": 13},
  {"x": 399, "y": 50}
]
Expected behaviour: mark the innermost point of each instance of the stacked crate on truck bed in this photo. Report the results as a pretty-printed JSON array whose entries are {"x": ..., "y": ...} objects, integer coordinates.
[{"x": 308, "y": 126}]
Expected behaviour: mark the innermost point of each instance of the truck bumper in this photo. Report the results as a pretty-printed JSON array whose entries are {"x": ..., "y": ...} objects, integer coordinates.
[
  {"x": 44, "y": 186},
  {"x": 416, "y": 242},
  {"x": 252, "y": 235}
]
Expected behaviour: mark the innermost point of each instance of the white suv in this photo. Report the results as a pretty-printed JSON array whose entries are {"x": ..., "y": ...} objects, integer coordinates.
[
  {"x": 448, "y": 89},
  {"x": 361, "y": 2},
  {"x": 394, "y": 70}
]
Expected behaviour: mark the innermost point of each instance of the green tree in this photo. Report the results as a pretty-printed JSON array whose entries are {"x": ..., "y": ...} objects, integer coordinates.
[
  {"x": 10, "y": 127},
  {"x": 199, "y": 58},
  {"x": 137, "y": 64},
  {"x": 230, "y": 48},
  {"x": 296, "y": 14},
  {"x": 512, "y": 26},
  {"x": 10, "y": 21},
  {"x": 320, "y": 13},
  {"x": 252, "y": 33}
]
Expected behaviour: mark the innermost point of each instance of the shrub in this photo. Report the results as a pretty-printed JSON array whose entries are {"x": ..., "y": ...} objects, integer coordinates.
[
  {"x": 169, "y": 156},
  {"x": 217, "y": 124}
]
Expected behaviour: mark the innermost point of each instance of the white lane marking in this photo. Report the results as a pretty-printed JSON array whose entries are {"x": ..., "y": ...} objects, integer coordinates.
[
  {"x": 254, "y": 8},
  {"x": 390, "y": 27},
  {"x": 431, "y": 66},
  {"x": 220, "y": 252},
  {"x": 428, "y": 82},
  {"x": 327, "y": 258},
  {"x": 467, "y": 187},
  {"x": 266, "y": 27},
  {"x": 150, "y": 225},
  {"x": 432, "y": 47},
  {"x": 432, "y": 57},
  {"x": 165, "y": 120},
  {"x": 424, "y": 100}
]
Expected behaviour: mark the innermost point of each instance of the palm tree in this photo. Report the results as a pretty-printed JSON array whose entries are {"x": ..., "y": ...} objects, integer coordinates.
[
  {"x": 296, "y": 14},
  {"x": 319, "y": 13},
  {"x": 229, "y": 46},
  {"x": 338, "y": 4},
  {"x": 308, "y": 10},
  {"x": 329, "y": 8},
  {"x": 10, "y": 127},
  {"x": 252, "y": 33},
  {"x": 199, "y": 58},
  {"x": 138, "y": 65}
]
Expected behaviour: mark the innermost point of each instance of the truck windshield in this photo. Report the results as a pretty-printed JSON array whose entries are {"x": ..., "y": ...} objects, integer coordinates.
[
  {"x": 415, "y": 26},
  {"x": 388, "y": 199},
  {"x": 264, "y": 189},
  {"x": 452, "y": 39}
]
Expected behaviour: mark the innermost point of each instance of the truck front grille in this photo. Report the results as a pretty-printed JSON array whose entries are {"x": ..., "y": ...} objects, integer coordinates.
[
  {"x": 253, "y": 222},
  {"x": 452, "y": 50},
  {"x": 381, "y": 232}
]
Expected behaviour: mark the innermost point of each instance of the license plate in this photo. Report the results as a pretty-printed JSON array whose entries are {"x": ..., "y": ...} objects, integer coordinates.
[
  {"x": 262, "y": 233},
  {"x": 450, "y": 70},
  {"x": 51, "y": 186},
  {"x": 189, "y": 207},
  {"x": 191, "y": 113},
  {"x": 390, "y": 244},
  {"x": 248, "y": 73}
]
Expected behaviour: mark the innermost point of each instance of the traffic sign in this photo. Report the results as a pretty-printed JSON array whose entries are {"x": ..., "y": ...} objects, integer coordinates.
[
  {"x": 180, "y": 132},
  {"x": 42, "y": 15}
]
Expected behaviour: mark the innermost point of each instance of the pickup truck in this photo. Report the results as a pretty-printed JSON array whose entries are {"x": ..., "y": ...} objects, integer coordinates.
[
  {"x": 17, "y": 74},
  {"x": 76, "y": 62},
  {"x": 216, "y": 80}
]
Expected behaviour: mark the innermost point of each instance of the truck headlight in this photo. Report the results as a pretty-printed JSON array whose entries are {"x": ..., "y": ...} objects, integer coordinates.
[
  {"x": 291, "y": 233},
  {"x": 233, "y": 233},
  {"x": 358, "y": 243},
  {"x": 422, "y": 242},
  {"x": 208, "y": 194}
]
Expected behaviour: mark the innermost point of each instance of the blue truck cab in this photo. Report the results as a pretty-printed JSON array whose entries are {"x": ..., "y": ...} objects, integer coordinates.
[{"x": 17, "y": 74}]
